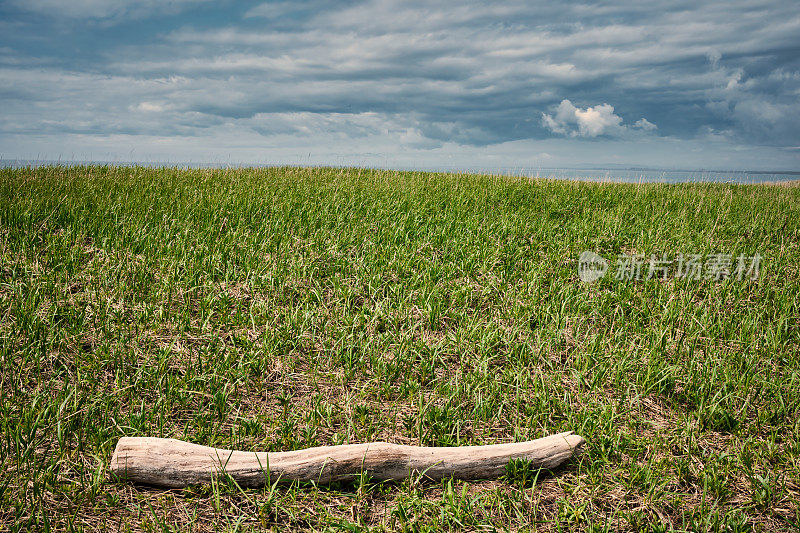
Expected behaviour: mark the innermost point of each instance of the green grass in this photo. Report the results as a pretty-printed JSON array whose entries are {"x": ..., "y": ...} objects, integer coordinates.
[{"x": 276, "y": 309}]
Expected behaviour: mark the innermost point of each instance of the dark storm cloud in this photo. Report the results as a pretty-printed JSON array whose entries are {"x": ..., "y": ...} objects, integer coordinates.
[{"x": 472, "y": 74}]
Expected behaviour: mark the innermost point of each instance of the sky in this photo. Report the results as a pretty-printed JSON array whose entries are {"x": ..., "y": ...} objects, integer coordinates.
[{"x": 404, "y": 84}]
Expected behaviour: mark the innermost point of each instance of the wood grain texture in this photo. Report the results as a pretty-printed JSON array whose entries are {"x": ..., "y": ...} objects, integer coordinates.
[{"x": 174, "y": 463}]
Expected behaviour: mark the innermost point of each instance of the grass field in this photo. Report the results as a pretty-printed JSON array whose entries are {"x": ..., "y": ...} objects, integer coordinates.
[{"x": 276, "y": 309}]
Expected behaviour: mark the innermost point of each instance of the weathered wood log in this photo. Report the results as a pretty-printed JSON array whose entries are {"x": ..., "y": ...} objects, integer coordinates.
[{"x": 174, "y": 463}]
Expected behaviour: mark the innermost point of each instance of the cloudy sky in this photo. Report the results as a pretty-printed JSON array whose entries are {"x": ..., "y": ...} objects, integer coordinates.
[{"x": 669, "y": 84}]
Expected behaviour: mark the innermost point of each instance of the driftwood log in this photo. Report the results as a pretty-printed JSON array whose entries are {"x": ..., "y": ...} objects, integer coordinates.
[{"x": 174, "y": 463}]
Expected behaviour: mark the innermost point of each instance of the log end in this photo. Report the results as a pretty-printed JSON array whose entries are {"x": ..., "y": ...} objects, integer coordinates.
[
  {"x": 575, "y": 442},
  {"x": 119, "y": 459},
  {"x": 161, "y": 462},
  {"x": 566, "y": 446}
]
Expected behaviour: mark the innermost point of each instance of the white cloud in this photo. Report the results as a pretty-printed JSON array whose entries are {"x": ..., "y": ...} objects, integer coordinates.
[
  {"x": 589, "y": 122},
  {"x": 149, "y": 107},
  {"x": 644, "y": 124}
]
